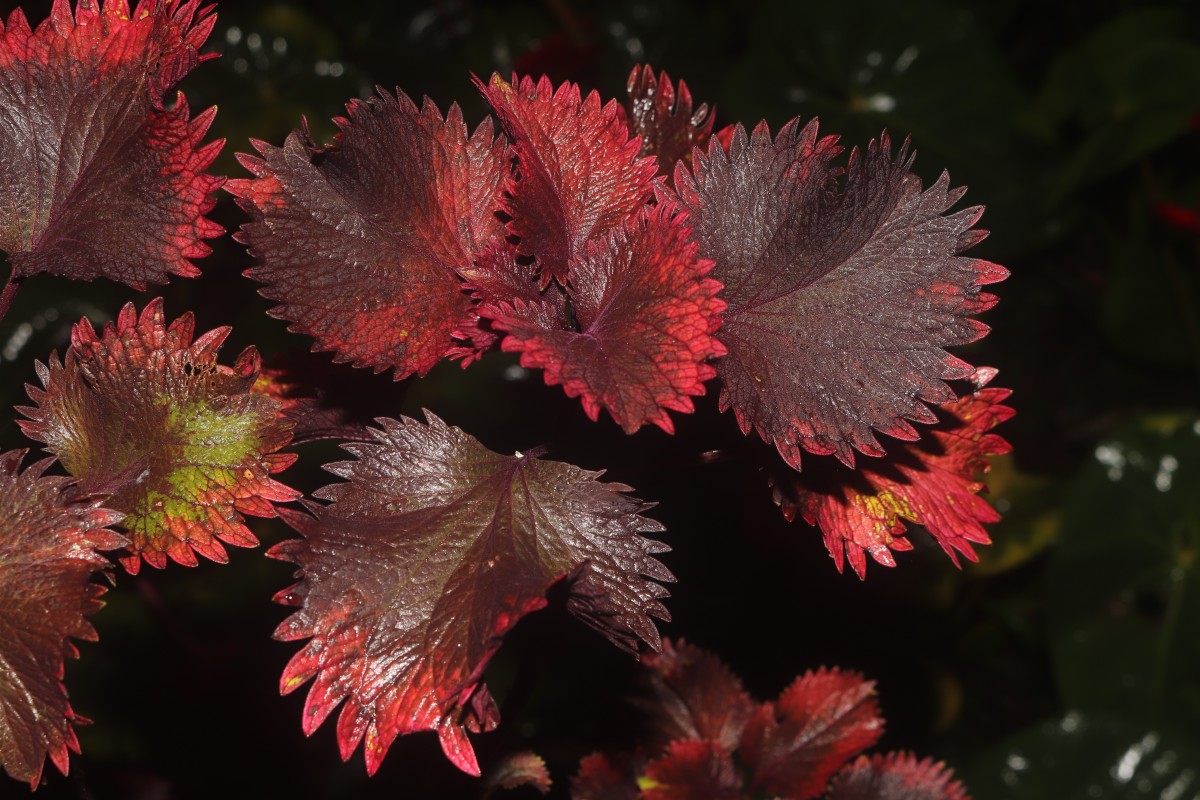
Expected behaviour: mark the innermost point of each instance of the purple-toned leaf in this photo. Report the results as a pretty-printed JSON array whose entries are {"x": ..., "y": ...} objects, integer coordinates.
[
  {"x": 48, "y": 544},
  {"x": 423, "y": 561},
  {"x": 843, "y": 294},
  {"x": 101, "y": 164},
  {"x": 360, "y": 242},
  {"x": 896, "y": 776},
  {"x": 695, "y": 696}
]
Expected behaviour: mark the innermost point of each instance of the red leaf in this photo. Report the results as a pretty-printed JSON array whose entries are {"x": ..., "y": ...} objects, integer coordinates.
[
  {"x": 932, "y": 483},
  {"x": 692, "y": 770},
  {"x": 430, "y": 553},
  {"x": 360, "y": 241},
  {"x": 179, "y": 443},
  {"x": 896, "y": 776},
  {"x": 646, "y": 315},
  {"x": 664, "y": 119},
  {"x": 48, "y": 546},
  {"x": 695, "y": 696},
  {"x": 821, "y": 721},
  {"x": 109, "y": 181},
  {"x": 579, "y": 172},
  {"x": 841, "y": 300},
  {"x": 520, "y": 769},
  {"x": 601, "y": 779}
]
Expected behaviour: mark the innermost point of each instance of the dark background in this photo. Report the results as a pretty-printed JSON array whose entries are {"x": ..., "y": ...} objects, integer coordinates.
[{"x": 1065, "y": 664}]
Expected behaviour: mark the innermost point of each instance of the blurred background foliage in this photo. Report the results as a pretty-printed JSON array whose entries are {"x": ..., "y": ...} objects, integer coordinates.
[{"x": 1065, "y": 664}]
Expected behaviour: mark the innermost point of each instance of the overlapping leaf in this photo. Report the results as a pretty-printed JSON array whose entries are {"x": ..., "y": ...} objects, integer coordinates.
[
  {"x": 692, "y": 770},
  {"x": 693, "y": 695},
  {"x": 579, "y": 174},
  {"x": 179, "y": 443},
  {"x": 825, "y": 718},
  {"x": 663, "y": 117},
  {"x": 933, "y": 482},
  {"x": 48, "y": 544},
  {"x": 896, "y": 776},
  {"x": 646, "y": 316},
  {"x": 360, "y": 241},
  {"x": 842, "y": 297},
  {"x": 426, "y": 557},
  {"x": 102, "y": 169}
]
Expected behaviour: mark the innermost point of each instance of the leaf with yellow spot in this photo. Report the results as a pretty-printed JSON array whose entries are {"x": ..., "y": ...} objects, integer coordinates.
[
  {"x": 181, "y": 445},
  {"x": 933, "y": 482}
]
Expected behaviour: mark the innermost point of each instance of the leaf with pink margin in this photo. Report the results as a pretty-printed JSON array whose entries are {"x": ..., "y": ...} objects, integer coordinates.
[
  {"x": 421, "y": 563},
  {"x": 933, "y": 482},
  {"x": 842, "y": 294},
  {"x": 105, "y": 183},
  {"x": 646, "y": 315},
  {"x": 48, "y": 542},
  {"x": 663, "y": 117},
  {"x": 820, "y": 722},
  {"x": 179, "y": 443},
  {"x": 361, "y": 242},
  {"x": 579, "y": 175},
  {"x": 896, "y": 776}
]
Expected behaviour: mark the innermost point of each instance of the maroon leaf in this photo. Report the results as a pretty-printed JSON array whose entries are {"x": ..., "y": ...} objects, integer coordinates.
[
  {"x": 646, "y": 315},
  {"x": 48, "y": 544},
  {"x": 664, "y": 119},
  {"x": 520, "y": 769},
  {"x": 599, "y": 778},
  {"x": 933, "y": 482},
  {"x": 423, "y": 561},
  {"x": 103, "y": 171},
  {"x": 695, "y": 696},
  {"x": 579, "y": 172},
  {"x": 360, "y": 241},
  {"x": 841, "y": 298},
  {"x": 179, "y": 443},
  {"x": 692, "y": 770},
  {"x": 896, "y": 776},
  {"x": 820, "y": 722}
]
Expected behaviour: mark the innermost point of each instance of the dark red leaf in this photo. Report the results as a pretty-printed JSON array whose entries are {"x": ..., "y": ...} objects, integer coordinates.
[
  {"x": 841, "y": 298},
  {"x": 102, "y": 167},
  {"x": 821, "y": 721},
  {"x": 663, "y": 117},
  {"x": 430, "y": 553},
  {"x": 933, "y": 482},
  {"x": 48, "y": 544},
  {"x": 599, "y": 778},
  {"x": 520, "y": 769},
  {"x": 646, "y": 315},
  {"x": 1185, "y": 220},
  {"x": 896, "y": 776},
  {"x": 692, "y": 770},
  {"x": 579, "y": 175},
  {"x": 695, "y": 696},
  {"x": 360, "y": 242},
  {"x": 179, "y": 443}
]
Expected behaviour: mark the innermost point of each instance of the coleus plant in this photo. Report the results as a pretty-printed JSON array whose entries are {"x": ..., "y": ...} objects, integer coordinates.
[{"x": 630, "y": 252}]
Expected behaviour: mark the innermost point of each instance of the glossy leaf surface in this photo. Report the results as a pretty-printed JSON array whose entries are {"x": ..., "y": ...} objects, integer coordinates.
[
  {"x": 842, "y": 295},
  {"x": 103, "y": 167},
  {"x": 360, "y": 242},
  {"x": 423, "y": 561},
  {"x": 663, "y": 116}
]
